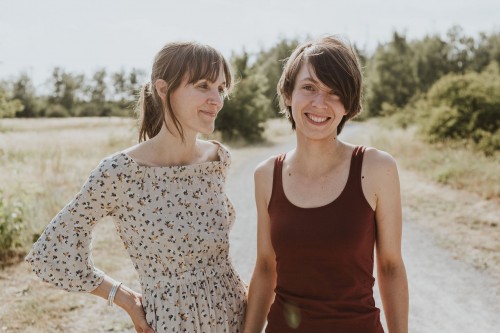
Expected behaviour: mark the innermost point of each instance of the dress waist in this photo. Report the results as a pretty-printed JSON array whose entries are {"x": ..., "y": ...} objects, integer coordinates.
[{"x": 192, "y": 276}]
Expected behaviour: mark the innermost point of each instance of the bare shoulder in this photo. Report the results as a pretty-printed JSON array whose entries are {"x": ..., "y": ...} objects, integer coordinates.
[
  {"x": 377, "y": 161},
  {"x": 264, "y": 171},
  {"x": 379, "y": 175},
  {"x": 263, "y": 177},
  {"x": 210, "y": 149}
]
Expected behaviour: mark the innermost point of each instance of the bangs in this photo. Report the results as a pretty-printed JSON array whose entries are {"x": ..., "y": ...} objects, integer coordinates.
[
  {"x": 328, "y": 72},
  {"x": 207, "y": 66},
  {"x": 333, "y": 70}
]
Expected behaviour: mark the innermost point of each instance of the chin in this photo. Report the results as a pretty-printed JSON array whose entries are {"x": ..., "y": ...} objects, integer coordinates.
[{"x": 207, "y": 131}]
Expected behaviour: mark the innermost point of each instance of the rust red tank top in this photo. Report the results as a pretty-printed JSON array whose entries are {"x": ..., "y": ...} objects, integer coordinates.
[{"x": 324, "y": 260}]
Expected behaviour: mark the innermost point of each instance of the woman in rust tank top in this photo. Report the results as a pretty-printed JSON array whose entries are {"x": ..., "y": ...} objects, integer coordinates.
[{"x": 323, "y": 208}]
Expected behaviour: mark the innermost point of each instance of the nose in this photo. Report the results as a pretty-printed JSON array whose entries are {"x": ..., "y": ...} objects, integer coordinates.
[
  {"x": 319, "y": 99},
  {"x": 216, "y": 98}
]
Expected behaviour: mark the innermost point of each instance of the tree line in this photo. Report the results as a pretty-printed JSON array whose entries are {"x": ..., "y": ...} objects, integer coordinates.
[{"x": 449, "y": 86}]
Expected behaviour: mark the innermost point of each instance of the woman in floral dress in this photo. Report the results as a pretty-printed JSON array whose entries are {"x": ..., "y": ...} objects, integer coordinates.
[{"x": 167, "y": 198}]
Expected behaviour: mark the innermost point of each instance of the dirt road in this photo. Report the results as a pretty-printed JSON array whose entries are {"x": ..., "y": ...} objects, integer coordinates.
[{"x": 446, "y": 295}]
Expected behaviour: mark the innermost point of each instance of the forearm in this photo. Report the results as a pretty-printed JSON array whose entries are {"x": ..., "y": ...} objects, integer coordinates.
[
  {"x": 393, "y": 286},
  {"x": 125, "y": 297},
  {"x": 260, "y": 297}
]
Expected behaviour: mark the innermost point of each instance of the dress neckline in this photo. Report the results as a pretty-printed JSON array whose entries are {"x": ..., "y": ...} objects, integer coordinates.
[{"x": 220, "y": 153}]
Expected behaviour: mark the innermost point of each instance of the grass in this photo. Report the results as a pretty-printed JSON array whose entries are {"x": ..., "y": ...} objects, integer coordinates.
[
  {"x": 449, "y": 164},
  {"x": 47, "y": 160}
]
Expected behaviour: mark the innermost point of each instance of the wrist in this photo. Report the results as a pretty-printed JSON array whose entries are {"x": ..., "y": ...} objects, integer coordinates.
[{"x": 126, "y": 298}]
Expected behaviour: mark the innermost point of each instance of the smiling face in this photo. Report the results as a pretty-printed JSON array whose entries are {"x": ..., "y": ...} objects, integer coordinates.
[
  {"x": 196, "y": 105},
  {"x": 316, "y": 109}
]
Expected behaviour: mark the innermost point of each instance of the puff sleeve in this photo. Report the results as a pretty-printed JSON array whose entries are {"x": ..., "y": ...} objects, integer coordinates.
[{"x": 62, "y": 255}]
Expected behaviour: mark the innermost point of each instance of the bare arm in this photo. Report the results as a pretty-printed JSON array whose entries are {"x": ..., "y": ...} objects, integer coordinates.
[
  {"x": 261, "y": 292},
  {"x": 391, "y": 270},
  {"x": 128, "y": 300}
]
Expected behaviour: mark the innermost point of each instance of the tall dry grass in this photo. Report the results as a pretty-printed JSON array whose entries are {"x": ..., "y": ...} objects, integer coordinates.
[
  {"x": 458, "y": 166},
  {"x": 45, "y": 161}
]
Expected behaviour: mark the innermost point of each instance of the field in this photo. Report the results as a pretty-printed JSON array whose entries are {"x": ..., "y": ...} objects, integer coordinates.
[{"x": 45, "y": 161}]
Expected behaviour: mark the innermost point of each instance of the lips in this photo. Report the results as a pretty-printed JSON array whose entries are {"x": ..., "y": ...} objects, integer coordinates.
[
  {"x": 317, "y": 119},
  {"x": 209, "y": 113}
]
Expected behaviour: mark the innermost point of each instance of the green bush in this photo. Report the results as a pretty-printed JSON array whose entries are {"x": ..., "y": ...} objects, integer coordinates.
[
  {"x": 245, "y": 112},
  {"x": 57, "y": 111},
  {"x": 11, "y": 225},
  {"x": 465, "y": 107}
]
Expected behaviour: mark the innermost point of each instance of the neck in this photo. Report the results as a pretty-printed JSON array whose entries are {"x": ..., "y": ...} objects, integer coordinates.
[
  {"x": 315, "y": 157},
  {"x": 172, "y": 150}
]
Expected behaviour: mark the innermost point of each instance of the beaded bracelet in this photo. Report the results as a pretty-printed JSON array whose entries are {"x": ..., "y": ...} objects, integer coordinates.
[{"x": 112, "y": 293}]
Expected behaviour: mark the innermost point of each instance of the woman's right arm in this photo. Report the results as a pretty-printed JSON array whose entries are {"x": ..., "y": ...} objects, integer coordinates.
[
  {"x": 261, "y": 292},
  {"x": 128, "y": 300},
  {"x": 62, "y": 255}
]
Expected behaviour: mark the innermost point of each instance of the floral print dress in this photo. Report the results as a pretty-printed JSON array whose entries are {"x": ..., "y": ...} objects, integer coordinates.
[{"x": 174, "y": 223}]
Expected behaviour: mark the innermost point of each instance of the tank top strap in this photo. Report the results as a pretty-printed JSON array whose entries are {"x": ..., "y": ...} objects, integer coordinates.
[
  {"x": 356, "y": 166},
  {"x": 277, "y": 192}
]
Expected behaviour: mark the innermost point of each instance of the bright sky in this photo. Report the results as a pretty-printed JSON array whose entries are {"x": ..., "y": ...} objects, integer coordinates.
[{"x": 83, "y": 36}]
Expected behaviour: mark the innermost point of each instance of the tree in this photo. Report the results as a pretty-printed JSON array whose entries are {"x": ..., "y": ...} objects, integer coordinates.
[
  {"x": 430, "y": 60},
  {"x": 66, "y": 89},
  {"x": 487, "y": 50},
  {"x": 98, "y": 105},
  {"x": 269, "y": 64},
  {"x": 466, "y": 107},
  {"x": 8, "y": 107},
  {"x": 24, "y": 92},
  {"x": 391, "y": 80},
  {"x": 244, "y": 114},
  {"x": 461, "y": 49}
]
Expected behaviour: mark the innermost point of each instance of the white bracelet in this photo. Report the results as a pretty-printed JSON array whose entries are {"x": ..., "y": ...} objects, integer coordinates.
[{"x": 112, "y": 293}]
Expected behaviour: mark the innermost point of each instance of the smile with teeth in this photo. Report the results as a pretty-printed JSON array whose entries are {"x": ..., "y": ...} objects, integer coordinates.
[{"x": 317, "y": 119}]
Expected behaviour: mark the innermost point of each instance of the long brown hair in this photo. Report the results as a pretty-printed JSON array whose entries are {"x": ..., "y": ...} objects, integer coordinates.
[
  {"x": 336, "y": 65},
  {"x": 172, "y": 63}
]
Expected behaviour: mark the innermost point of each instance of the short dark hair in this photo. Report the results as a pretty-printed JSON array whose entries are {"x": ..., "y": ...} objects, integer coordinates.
[{"x": 336, "y": 65}]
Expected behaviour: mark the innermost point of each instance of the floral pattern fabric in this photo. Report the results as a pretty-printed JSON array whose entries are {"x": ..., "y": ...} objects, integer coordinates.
[{"x": 174, "y": 222}]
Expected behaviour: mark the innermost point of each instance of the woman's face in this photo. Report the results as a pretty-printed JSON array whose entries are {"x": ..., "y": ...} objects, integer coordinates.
[
  {"x": 197, "y": 104},
  {"x": 316, "y": 109}
]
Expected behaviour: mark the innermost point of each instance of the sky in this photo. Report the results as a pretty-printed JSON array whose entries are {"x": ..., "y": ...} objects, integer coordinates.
[{"x": 85, "y": 36}]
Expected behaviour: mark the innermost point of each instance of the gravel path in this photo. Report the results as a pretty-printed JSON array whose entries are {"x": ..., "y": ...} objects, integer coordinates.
[{"x": 446, "y": 295}]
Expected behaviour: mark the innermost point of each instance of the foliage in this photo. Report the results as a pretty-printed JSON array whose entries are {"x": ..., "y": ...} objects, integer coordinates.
[
  {"x": 398, "y": 77},
  {"x": 247, "y": 109},
  {"x": 466, "y": 107},
  {"x": 391, "y": 77},
  {"x": 24, "y": 91},
  {"x": 67, "y": 90},
  {"x": 270, "y": 65},
  {"x": 8, "y": 107},
  {"x": 11, "y": 225}
]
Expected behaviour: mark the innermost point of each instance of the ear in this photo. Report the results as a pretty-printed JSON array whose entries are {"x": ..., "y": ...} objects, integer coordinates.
[{"x": 161, "y": 88}]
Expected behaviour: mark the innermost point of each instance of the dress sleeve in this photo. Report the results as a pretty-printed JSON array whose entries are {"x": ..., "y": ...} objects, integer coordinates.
[{"x": 62, "y": 255}]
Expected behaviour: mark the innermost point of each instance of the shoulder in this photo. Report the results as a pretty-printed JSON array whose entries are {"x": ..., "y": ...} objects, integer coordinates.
[
  {"x": 215, "y": 150},
  {"x": 264, "y": 171},
  {"x": 379, "y": 167},
  {"x": 377, "y": 159},
  {"x": 111, "y": 167},
  {"x": 263, "y": 178}
]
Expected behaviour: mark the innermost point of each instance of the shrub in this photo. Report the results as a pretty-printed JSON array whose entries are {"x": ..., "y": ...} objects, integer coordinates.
[
  {"x": 57, "y": 111},
  {"x": 11, "y": 225},
  {"x": 465, "y": 107}
]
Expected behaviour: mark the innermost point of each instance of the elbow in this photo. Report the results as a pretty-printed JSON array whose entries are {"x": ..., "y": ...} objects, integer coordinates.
[
  {"x": 390, "y": 268},
  {"x": 265, "y": 269}
]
